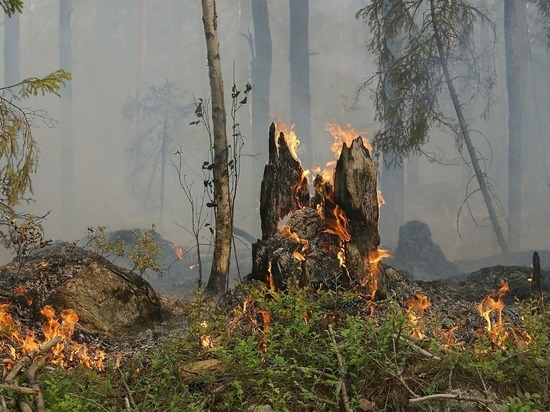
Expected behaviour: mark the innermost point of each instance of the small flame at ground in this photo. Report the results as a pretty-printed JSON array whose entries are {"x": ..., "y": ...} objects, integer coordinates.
[
  {"x": 18, "y": 341},
  {"x": 415, "y": 310},
  {"x": 493, "y": 303},
  {"x": 373, "y": 267}
]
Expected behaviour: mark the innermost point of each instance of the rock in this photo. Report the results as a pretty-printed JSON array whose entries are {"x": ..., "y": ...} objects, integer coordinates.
[
  {"x": 417, "y": 254},
  {"x": 107, "y": 299},
  {"x": 193, "y": 372}
]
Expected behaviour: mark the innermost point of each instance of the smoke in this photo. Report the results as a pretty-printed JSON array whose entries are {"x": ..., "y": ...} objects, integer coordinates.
[{"x": 105, "y": 52}]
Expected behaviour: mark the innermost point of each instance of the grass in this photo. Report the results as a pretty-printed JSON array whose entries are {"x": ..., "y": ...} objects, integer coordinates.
[{"x": 298, "y": 350}]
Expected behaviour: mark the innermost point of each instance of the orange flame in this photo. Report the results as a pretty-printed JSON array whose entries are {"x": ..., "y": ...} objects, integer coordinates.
[
  {"x": 270, "y": 279},
  {"x": 415, "y": 310},
  {"x": 493, "y": 303},
  {"x": 345, "y": 136},
  {"x": 177, "y": 250},
  {"x": 338, "y": 225},
  {"x": 291, "y": 139},
  {"x": 206, "y": 341},
  {"x": 373, "y": 268},
  {"x": 66, "y": 354}
]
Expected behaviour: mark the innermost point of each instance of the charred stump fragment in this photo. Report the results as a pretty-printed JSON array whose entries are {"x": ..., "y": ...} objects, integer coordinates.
[
  {"x": 331, "y": 238},
  {"x": 355, "y": 191},
  {"x": 284, "y": 186},
  {"x": 536, "y": 278}
]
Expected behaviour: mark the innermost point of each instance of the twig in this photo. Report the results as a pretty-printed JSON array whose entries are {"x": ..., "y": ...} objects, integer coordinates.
[
  {"x": 24, "y": 406},
  {"x": 341, "y": 383},
  {"x": 484, "y": 402},
  {"x": 90, "y": 400},
  {"x": 23, "y": 390},
  {"x": 318, "y": 372},
  {"x": 30, "y": 356},
  {"x": 128, "y": 391},
  {"x": 416, "y": 347},
  {"x": 320, "y": 399}
]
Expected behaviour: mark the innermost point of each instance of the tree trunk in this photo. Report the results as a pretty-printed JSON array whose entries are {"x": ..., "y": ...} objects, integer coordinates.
[
  {"x": 11, "y": 49},
  {"x": 300, "y": 99},
  {"x": 481, "y": 178},
  {"x": 222, "y": 199},
  {"x": 66, "y": 116},
  {"x": 142, "y": 58},
  {"x": 261, "y": 78},
  {"x": 514, "y": 123}
]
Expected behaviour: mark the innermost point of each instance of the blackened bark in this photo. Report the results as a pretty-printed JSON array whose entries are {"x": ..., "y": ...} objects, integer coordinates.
[
  {"x": 284, "y": 187},
  {"x": 536, "y": 278},
  {"x": 355, "y": 191}
]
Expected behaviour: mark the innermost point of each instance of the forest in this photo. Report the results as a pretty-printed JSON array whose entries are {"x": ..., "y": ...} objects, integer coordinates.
[{"x": 275, "y": 206}]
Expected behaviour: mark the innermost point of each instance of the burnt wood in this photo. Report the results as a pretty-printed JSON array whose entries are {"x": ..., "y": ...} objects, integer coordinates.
[
  {"x": 284, "y": 186},
  {"x": 355, "y": 191}
]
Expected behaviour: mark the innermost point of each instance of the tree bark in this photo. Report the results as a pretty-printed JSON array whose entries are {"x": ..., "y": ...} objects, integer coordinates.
[
  {"x": 356, "y": 193},
  {"x": 222, "y": 199},
  {"x": 66, "y": 116},
  {"x": 300, "y": 98},
  {"x": 514, "y": 123},
  {"x": 284, "y": 187}
]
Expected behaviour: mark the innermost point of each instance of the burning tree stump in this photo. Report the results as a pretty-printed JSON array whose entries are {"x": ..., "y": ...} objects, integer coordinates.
[
  {"x": 284, "y": 186},
  {"x": 330, "y": 238},
  {"x": 355, "y": 191}
]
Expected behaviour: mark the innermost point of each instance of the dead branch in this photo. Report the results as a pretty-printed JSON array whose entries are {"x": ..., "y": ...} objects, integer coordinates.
[
  {"x": 457, "y": 397},
  {"x": 130, "y": 398},
  {"x": 23, "y": 390},
  {"x": 417, "y": 348},
  {"x": 341, "y": 383},
  {"x": 25, "y": 360}
]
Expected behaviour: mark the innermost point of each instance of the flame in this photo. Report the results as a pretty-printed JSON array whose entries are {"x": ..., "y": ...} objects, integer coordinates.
[
  {"x": 177, "y": 250},
  {"x": 206, "y": 341},
  {"x": 447, "y": 337},
  {"x": 373, "y": 268},
  {"x": 493, "y": 303},
  {"x": 291, "y": 139},
  {"x": 270, "y": 279},
  {"x": 415, "y": 310},
  {"x": 17, "y": 341},
  {"x": 345, "y": 136},
  {"x": 338, "y": 225},
  {"x": 20, "y": 291}
]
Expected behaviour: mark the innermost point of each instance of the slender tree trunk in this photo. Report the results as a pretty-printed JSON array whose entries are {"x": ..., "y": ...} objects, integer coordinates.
[
  {"x": 514, "y": 122},
  {"x": 222, "y": 198},
  {"x": 11, "y": 50},
  {"x": 481, "y": 178},
  {"x": 66, "y": 116},
  {"x": 300, "y": 98},
  {"x": 261, "y": 79}
]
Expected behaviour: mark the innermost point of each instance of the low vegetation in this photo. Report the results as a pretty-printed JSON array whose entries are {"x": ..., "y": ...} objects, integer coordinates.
[{"x": 305, "y": 351}]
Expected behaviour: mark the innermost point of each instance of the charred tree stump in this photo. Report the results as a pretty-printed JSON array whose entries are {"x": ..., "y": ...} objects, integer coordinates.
[
  {"x": 329, "y": 238},
  {"x": 356, "y": 193},
  {"x": 284, "y": 186},
  {"x": 536, "y": 278}
]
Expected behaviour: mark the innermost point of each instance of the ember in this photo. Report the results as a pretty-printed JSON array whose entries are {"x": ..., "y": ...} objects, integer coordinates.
[{"x": 415, "y": 310}]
